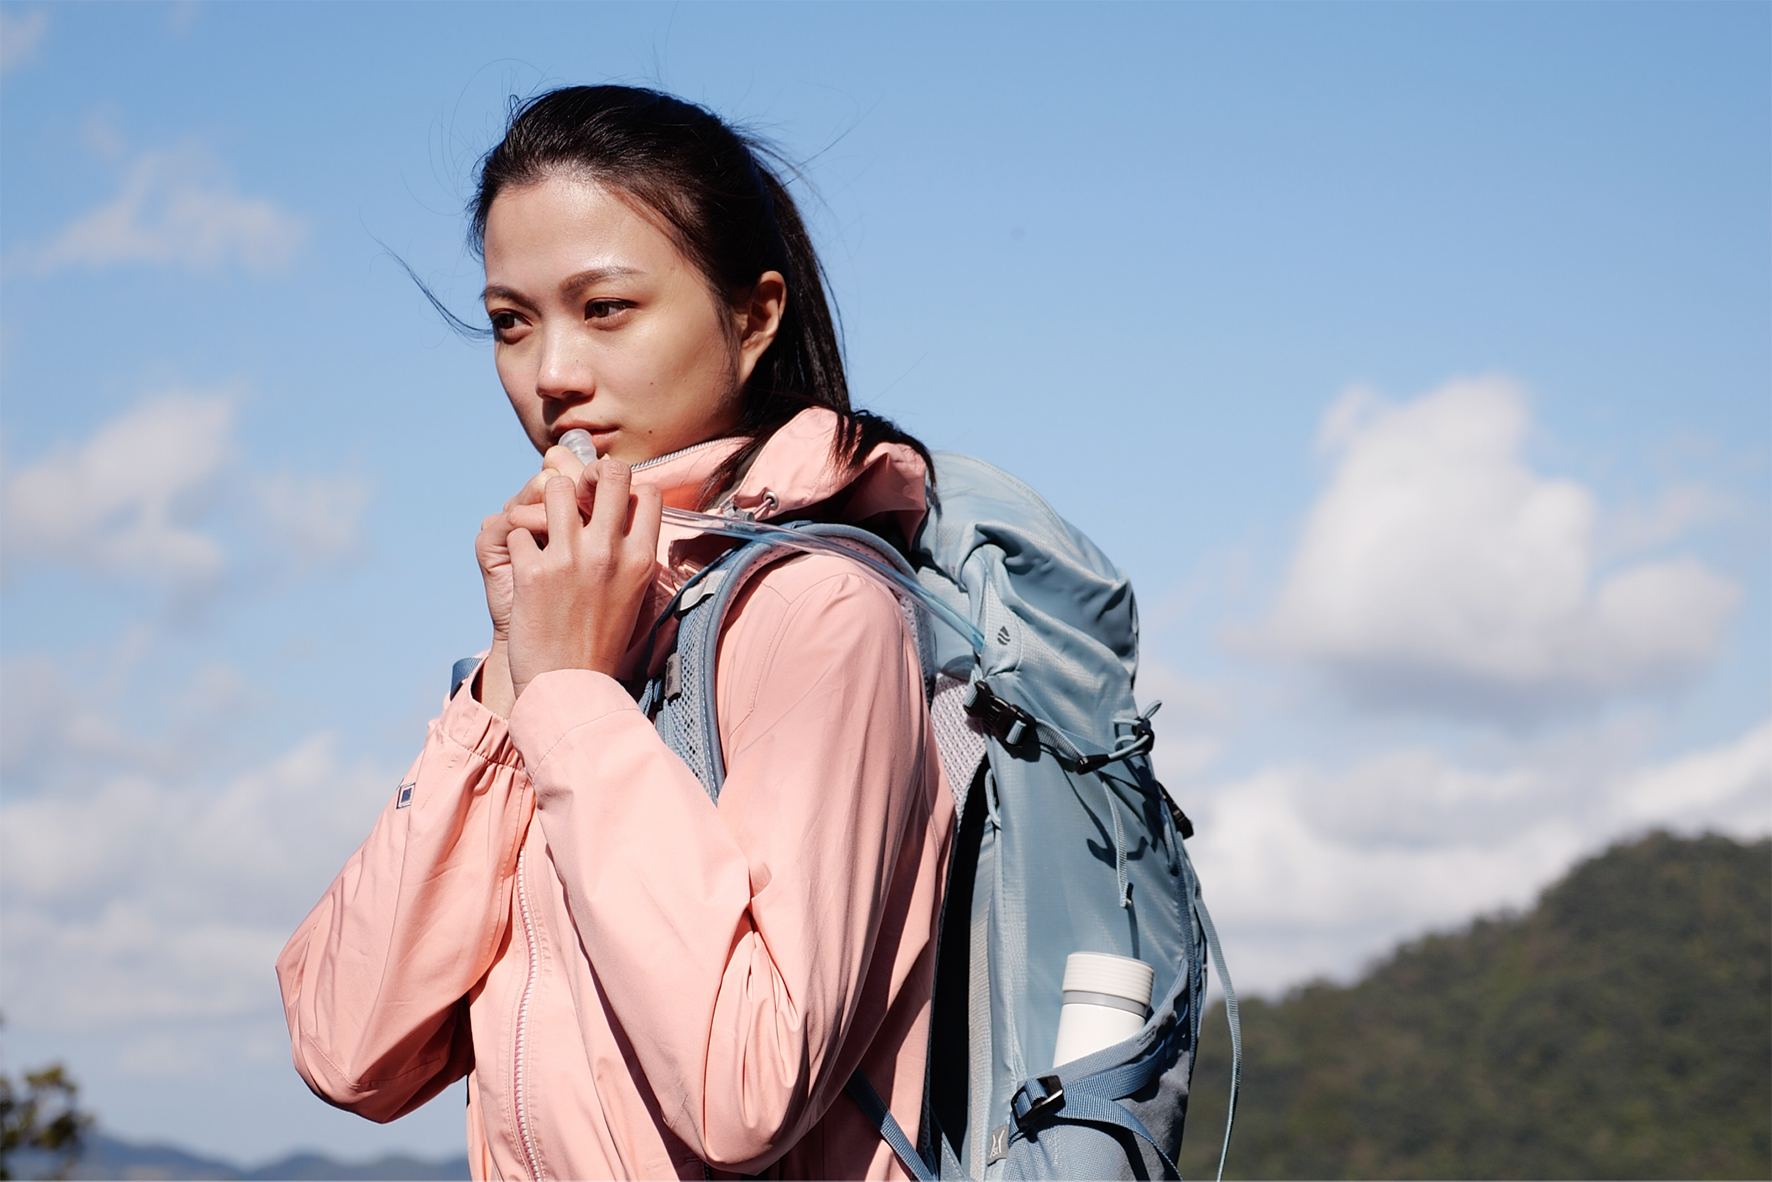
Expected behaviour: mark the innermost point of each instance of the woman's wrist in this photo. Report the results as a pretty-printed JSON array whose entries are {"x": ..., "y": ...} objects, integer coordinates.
[{"x": 494, "y": 689}]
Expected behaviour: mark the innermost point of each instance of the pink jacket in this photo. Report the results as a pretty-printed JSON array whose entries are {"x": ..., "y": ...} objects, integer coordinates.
[{"x": 634, "y": 981}]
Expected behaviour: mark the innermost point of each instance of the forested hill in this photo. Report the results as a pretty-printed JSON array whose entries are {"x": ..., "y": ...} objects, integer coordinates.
[{"x": 1622, "y": 1028}]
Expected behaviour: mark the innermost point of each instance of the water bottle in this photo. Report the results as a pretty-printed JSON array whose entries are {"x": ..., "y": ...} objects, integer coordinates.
[{"x": 1106, "y": 1000}]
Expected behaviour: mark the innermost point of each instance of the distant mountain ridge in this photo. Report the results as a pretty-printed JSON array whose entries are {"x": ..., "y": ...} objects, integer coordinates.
[
  {"x": 1622, "y": 1028},
  {"x": 110, "y": 1157}
]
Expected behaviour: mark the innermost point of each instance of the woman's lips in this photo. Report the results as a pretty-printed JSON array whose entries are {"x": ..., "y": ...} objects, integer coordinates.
[{"x": 601, "y": 436}]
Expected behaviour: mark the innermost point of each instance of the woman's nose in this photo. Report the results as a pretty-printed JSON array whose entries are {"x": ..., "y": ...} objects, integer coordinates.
[{"x": 564, "y": 373}]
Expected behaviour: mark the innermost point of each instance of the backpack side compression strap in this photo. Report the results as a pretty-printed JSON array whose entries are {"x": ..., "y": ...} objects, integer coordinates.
[
  {"x": 1230, "y": 1013},
  {"x": 874, "y": 1108}
]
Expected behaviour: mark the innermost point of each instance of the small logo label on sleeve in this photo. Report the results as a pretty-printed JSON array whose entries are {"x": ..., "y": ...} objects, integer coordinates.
[{"x": 404, "y": 796}]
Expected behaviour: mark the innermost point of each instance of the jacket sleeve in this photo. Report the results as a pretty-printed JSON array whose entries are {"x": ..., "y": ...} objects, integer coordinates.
[
  {"x": 749, "y": 951},
  {"x": 375, "y": 979}
]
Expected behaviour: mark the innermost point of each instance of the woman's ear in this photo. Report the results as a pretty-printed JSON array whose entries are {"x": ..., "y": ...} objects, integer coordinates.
[{"x": 759, "y": 314}]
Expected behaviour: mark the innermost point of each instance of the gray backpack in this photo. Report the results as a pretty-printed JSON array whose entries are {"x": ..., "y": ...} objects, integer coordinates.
[{"x": 1064, "y": 842}]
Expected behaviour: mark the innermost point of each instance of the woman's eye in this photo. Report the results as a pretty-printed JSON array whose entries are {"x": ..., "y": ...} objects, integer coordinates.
[
  {"x": 604, "y": 309},
  {"x": 504, "y": 324}
]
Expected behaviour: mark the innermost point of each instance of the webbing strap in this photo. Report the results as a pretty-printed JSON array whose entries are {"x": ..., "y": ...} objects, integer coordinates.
[
  {"x": 979, "y": 1063},
  {"x": 1089, "y": 1100},
  {"x": 950, "y": 1164},
  {"x": 874, "y": 1108},
  {"x": 461, "y": 671},
  {"x": 1230, "y": 1013},
  {"x": 1115, "y": 1083},
  {"x": 1092, "y": 1109}
]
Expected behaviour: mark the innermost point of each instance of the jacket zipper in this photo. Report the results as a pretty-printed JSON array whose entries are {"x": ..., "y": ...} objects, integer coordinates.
[
  {"x": 671, "y": 455},
  {"x": 523, "y": 1017}
]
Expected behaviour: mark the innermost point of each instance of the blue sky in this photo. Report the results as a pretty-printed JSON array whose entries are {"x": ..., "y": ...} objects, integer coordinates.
[{"x": 1413, "y": 360}]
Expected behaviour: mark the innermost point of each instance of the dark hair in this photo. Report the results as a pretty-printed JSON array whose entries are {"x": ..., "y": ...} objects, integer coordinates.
[{"x": 729, "y": 213}]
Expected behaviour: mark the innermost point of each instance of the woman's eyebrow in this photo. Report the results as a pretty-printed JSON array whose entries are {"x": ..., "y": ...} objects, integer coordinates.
[
  {"x": 594, "y": 275},
  {"x": 568, "y": 285}
]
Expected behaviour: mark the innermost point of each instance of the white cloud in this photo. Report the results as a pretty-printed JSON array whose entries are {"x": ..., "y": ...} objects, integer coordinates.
[
  {"x": 145, "y": 498},
  {"x": 140, "y": 898},
  {"x": 1438, "y": 569},
  {"x": 317, "y": 516},
  {"x": 1727, "y": 789},
  {"x": 49, "y": 730},
  {"x": 177, "y": 207},
  {"x": 19, "y": 37},
  {"x": 1629, "y": 531},
  {"x": 128, "y": 500},
  {"x": 1311, "y": 874}
]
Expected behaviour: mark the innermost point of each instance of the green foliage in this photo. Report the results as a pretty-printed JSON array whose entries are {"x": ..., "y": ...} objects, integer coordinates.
[
  {"x": 1620, "y": 1029},
  {"x": 41, "y": 1116}
]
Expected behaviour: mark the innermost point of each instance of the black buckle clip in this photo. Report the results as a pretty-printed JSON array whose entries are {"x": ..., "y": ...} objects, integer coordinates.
[
  {"x": 1183, "y": 826},
  {"x": 1028, "y": 1108},
  {"x": 1009, "y": 722}
]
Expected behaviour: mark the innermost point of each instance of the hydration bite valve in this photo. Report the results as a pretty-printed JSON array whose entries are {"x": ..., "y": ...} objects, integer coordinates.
[{"x": 578, "y": 442}]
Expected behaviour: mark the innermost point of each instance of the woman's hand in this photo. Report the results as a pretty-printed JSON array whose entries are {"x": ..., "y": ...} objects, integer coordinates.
[
  {"x": 573, "y": 604},
  {"x": 492, "y": 550}
]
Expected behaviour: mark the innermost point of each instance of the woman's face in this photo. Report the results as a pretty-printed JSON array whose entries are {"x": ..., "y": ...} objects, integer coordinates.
[{"x": 601, "y": 323}]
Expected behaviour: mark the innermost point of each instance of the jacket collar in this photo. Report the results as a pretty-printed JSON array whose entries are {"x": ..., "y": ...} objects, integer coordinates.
[{"x": 794, "y": 476}]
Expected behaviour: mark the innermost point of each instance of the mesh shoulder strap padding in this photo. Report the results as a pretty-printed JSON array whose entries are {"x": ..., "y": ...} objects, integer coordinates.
[
  {"x": 680, "y": 700},
  {"x": 959, "y": 738}
]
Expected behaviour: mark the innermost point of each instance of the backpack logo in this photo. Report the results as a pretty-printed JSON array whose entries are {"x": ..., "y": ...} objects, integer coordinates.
[
  {"x": 999, "y": 1144},
  {"x": 404, "y": 794}
]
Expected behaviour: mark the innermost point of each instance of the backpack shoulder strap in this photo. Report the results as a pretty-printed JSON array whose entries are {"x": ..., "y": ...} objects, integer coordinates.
[
  {"x": 681, "y": 703},
  {"x": 680, "y": 700}
]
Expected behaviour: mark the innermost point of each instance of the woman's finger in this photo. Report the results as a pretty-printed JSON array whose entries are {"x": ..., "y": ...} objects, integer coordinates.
[
  {"x": 563, "y": 462},
  {"x": 533, "y": 492},
  {"x": 533, "y": 518},
  {"x": 648, "y": 518},
  {"x": 494, "y": 526},
  {"x": 609, "y": 512},
  {"x": 521, "y": 544},
  {"x": 561, "y": 498},
  {"x": 530, "y": 493},
  {"x": 557, "y": 461},
  {"x": 587, "y": 488}
]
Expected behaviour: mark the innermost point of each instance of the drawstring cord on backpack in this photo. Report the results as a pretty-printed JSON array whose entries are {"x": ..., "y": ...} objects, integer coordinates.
[
  {"x": 1143, "y": 737},
  {"x": 1125, "y": 892},
  {"x": 1014, "y": 726}
]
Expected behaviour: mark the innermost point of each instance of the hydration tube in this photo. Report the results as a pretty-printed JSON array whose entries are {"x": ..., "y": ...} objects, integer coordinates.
[{"x": 578, "y": 442}]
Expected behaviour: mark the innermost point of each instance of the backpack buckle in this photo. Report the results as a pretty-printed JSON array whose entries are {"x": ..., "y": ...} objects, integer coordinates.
[
  {"x": 1009, "y": 722},
  {"x": 1034, "y": 1098}
]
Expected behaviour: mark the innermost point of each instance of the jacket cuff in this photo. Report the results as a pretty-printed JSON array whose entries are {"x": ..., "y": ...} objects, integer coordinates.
[
  {"x": 466, "y": 722},
  {"x": 557, "y": 703}
]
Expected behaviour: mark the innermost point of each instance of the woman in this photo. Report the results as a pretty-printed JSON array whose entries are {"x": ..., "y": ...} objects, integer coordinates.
[{"x": 635, "y": 982}]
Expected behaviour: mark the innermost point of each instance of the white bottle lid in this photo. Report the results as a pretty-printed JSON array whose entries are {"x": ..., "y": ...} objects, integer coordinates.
[{"x": 1101, "y": 972}]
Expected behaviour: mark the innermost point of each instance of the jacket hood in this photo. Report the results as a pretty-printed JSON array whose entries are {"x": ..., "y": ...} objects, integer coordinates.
[{"x": 794, "y": 475}]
